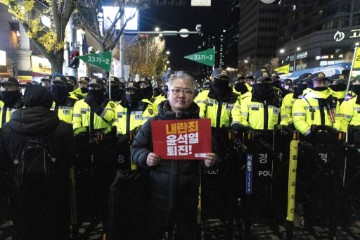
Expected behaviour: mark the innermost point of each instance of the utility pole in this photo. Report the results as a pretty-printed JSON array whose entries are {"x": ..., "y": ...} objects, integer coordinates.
[
  {"x": 121, "y": 51},
  {"x": 295, "y": 55}
]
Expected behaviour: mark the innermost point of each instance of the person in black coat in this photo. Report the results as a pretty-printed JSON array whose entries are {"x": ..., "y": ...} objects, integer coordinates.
[
  {"x": 44, "y": 214},
  {"x": 173, "y": 185}
]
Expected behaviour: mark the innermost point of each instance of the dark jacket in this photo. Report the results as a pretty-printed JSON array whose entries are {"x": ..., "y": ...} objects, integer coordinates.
[
  {"x": 173, "y": 183},
  {"x": 47, "y": 213}
]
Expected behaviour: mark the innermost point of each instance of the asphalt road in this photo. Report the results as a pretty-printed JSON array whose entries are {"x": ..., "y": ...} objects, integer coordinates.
[{"x": 215, "y": 229}]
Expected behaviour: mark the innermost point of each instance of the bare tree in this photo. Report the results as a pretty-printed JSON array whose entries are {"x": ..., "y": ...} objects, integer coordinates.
[{"x": 90, "y": 17}]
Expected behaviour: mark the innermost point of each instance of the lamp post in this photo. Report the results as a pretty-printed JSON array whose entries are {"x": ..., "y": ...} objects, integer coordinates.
[
  {"x": 282, "y": 51},
  {"x": 295, "y": 54}
]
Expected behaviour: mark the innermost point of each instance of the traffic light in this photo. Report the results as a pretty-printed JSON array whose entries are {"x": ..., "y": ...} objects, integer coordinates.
[{"x": 74, "y": 62}]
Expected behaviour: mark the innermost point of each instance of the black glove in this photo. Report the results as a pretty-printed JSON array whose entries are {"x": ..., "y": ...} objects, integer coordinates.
[
  {"x": 94, "y": 106},
  {"x": 239, "y": 127},
  {"x": 121, "y": 138},
  {"x": 284, "y": 129}
]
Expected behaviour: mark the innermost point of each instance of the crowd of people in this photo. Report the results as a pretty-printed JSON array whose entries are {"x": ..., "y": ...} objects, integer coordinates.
[{"x": 95, "y": 127}]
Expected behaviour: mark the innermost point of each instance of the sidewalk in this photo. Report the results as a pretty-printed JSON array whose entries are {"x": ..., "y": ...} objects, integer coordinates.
[{"x": 215, "y": 230}]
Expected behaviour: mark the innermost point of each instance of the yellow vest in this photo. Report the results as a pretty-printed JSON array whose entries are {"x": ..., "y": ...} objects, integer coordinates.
[{"x": 82, "y": 115}]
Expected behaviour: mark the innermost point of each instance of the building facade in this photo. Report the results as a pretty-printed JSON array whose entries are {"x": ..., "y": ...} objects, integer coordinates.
[
  {"x": 15, "y": 46},
  {"x": 319, "y": 33},
  {"x": 301, "y": 33},
  {"x": 258, "y": 34}
]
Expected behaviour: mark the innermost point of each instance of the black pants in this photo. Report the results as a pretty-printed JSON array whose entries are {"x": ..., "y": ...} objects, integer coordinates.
[
  {"x": 95, "y": 176},
  {"x": 41, "y": 216}
]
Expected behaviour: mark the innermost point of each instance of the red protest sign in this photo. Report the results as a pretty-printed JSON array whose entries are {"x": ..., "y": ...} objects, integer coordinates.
[{"x": 188, "y": 139}]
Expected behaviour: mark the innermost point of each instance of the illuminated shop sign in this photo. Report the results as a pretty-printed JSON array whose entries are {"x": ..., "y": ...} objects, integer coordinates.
[
  {"x": 339, "y": 36},
  {"x": 40, "y": 65},
  {"x": 2, "y": 58}
]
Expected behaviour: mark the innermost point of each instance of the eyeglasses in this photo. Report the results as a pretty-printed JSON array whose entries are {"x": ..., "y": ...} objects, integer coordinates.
[{"x": 177, "y": 91}]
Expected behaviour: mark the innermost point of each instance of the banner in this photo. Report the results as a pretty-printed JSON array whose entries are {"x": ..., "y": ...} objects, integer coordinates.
[
  {"x": 188, "y": 139},
  {"x": 85, "y": 49},
  {"x": 40, "y": 65},
  {"x": 284, "y": 69},
  {"x": 356, "y": 65}
]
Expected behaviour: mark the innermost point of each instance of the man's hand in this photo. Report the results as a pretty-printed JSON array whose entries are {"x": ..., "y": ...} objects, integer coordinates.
[
  {"x": 210, "y": 159},
  {"x": 152, "y": 159}
]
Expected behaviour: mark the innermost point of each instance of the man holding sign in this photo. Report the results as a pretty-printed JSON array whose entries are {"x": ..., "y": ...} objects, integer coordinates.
[{"x": 175, "y": 176}]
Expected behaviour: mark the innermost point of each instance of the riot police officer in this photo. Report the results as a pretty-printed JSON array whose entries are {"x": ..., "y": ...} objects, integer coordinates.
[
  {"x": 261, "y": 111},
  {"x": 80, "y": 92},
  {"x": 46, "y": 81},
  {"x": 130, "y": 114},
  {"x": 289, "y": 99},
  {"x": 218, "y": 102},
  {"x": 159, "y": 96},
  {"x": 338, "y": 85},
  {"x": 116, "y": 87},
  {"x": 63, "y": 104},
  {"x": 11, "y": 98},
  {"x": 92, "y": 124},
  {"x": 240, "y": 85},
  {"x": 146, "y": 90},
  {"x": 316, "y": 107},
  {"x": 349, "y": 109}
]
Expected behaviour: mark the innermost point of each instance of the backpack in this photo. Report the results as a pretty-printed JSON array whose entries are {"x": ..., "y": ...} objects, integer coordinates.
[{"x": 34, "y": 164}]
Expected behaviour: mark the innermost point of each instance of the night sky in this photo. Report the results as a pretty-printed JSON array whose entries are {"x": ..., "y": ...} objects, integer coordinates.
[{"x": 174, "y": 18}]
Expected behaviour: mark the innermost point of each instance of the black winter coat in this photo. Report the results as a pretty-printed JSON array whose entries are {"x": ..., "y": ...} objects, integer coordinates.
[
  {"x": 173, "y": 183},
  {"x": 49, "y": 212}
]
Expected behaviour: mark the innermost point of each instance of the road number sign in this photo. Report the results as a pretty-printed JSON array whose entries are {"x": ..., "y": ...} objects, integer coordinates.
[{"x": 206, "y": 57}]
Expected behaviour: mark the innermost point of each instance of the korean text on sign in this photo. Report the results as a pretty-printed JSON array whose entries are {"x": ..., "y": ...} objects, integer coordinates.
[{"x": 182, "y": 139}]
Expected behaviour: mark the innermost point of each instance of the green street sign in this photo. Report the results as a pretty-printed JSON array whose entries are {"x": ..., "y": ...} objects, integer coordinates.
[
  {"x": 206, "y": 57},
  {"x": 101, "y": 60}
]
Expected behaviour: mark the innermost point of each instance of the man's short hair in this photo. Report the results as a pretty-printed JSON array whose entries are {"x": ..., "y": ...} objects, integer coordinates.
[{"x": 184, "y": 76}]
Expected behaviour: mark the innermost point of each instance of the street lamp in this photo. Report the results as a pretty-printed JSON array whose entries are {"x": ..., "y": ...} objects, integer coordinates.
[
  {"x": 167, "y": 52},
  {"x": 297, "y": 49},
  {"x": 282, "y": 51}
]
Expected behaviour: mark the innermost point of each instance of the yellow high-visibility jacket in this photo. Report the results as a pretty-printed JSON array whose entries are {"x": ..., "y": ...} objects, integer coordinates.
[
  {"x": 306, "y": 111},
  {"x": 65, "y": 111},
  {"x": 127, "y": 119},
  {"x": 349, "y": 113},
  {"x": 5, "y": 117},
  {"x": 82, "y": 115},
  {"x": 218, "y": 112},
  {"x": 258, "y": 115},
  {"x": 286, "y": 109}
]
